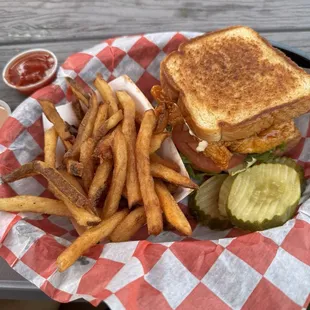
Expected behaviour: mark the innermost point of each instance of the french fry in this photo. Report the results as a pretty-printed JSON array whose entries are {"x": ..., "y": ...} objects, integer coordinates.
[
  {"x": 138, "y": 117},
  {"x": 103, "y": 148},
  {"x": 80, "y": 218},
  {"x": 172, "y": 211},
  {"x": 54, "y": 178},
  {"x": 129, "y": 131},
  {"x": 79, "y": 229},
  {"x": 34, "y": 204},
  {"x": 129, "y": 226},
  {"x": 73, "y": 181},
  {"x": 172, "y": 188},
  {"x": 171, "y": 176},
  {"x": 113, "y": 198},
  {"x": 88, "y": 239},
  {"x": 78, "y": 91},
  {"x": 149, "y": 197},
  {"x": 77, "y": 109},
  {"x": 85, "y": 128},
  {"x": 50, "y": 143},
  {"x": 59, "y": 125},
  {"x": 74, "y": 167},
  {"x": 109, "y": 124},
  {"x": 157, "y": 141},
  {"x": 106, "y": 94},
  {"x": 100, "y": 181},
  {"x": 166, "y": 162},
  {"x": 87, "y": 160},
  {"x": 101, "y": 117},
  {"x": 72, "y": 129}
]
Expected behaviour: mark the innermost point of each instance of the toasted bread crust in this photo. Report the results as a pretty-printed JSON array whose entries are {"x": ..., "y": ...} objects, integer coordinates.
[{"x": 279, "y": 76}]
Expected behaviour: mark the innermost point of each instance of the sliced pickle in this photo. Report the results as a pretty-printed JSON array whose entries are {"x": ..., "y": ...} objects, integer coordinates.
[
  {"x": 291, "y": 163},
  {"x": 204, "y": 203},
  {"x": 224, "y": 193},
  {"x": 264, "y": 196}
]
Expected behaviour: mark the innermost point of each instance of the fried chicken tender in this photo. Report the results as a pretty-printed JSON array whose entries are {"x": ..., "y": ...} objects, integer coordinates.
[
  {"x": 219, "y": 154},
  {"x": 267, "y": 139}
]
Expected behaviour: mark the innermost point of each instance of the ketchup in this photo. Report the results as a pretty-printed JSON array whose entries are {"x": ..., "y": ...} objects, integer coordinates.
[{"x": 30, "y": 69}]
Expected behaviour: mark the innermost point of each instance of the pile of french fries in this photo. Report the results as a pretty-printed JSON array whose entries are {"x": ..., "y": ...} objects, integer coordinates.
[{"x": 111, "y": 181}]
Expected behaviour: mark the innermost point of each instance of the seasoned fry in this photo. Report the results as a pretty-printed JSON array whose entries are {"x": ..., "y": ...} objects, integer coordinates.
[
  {"x": 172, "y": 211},
  {"x": 103, "y": 148},
  {"x": 124, "y": 193},
  {"x": 50, "y": 143},
  {"x": 79, "y": 229},
  {"x": 78, "y": 91},
  {"x": 129, "y": 226},
  {"x": 110, "y": 154},
  {"x": 157, "y": 141},
  {"x": 166, "y": 162},
  {"x": 172, "y": 188},
  {"x": 138, "y": 117},
  {"x": 119, "y": 150},
  {"x": 60, "y": 126},
  {"x": 81, "y": 217},
  {"x": 129, "y": 131},
  {"x": 72, "y": 180},
  {"x": 85, "y": 128},
  {"x": 100, "y": 181},
  {"x": 88, "y": 239},
  {"x": 77, "y": 109},
  {"x": 149, "y": 197},
  {"x": 87, "y": 160},
  {"x": 106, "y": 94},
  {"x": 74, "y": 167},
  {"x": 171, "y": 176},
  {"x": 109, "y": 124},
  {"x": 101, "y": 117},
  {"x": 72, "y": 129},
  {"x": 54, "y": 178},
  {"x": 34, "y": 204}
]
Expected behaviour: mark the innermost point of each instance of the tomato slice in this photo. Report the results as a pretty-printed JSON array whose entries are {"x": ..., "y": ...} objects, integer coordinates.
[{"x": 187, "y": 144}]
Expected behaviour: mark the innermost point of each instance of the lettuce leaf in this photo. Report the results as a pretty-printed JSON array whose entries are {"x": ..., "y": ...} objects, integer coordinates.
[
  {"x": 242, "y": 167},
  {"x": 198, "y": 176},
  {"x": 267, "y": 156}
]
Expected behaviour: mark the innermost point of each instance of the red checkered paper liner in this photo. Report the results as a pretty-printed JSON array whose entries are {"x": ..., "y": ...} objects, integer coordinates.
[{"x": 211, "y": 270}]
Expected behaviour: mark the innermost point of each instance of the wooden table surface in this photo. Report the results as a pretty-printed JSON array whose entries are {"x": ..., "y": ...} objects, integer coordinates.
[{"x": 66, "y": 27}]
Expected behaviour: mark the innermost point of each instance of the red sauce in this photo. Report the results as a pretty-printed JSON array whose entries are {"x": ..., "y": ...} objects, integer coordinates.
[{"x": 30, "y": 69}]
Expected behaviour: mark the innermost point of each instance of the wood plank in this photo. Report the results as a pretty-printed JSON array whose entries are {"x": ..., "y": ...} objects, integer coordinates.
[
  {"x": 62, "y": 50},
  {"x": 299, "y": 40},
  {"x": 25, "y": 21}
]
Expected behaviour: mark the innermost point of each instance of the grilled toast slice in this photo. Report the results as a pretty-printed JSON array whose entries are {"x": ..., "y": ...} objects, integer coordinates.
[{"x": 231, "y": 84}]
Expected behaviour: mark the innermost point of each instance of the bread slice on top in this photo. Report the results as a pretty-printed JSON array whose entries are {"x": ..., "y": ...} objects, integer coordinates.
[{"x": 231, "y": 84}]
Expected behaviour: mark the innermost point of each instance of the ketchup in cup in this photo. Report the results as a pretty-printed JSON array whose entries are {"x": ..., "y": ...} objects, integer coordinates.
[{"x": 30, "y": 70}]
